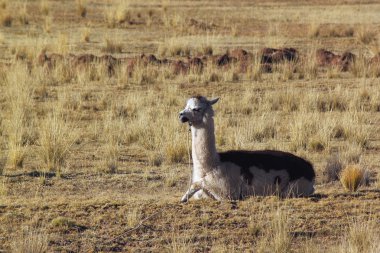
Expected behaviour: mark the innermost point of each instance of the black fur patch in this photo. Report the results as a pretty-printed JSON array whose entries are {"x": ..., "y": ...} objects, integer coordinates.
[
  {"x": 247, "y": 175},
  {"x": 269, "y": 160},
  {"x": 199, "y": 97}
]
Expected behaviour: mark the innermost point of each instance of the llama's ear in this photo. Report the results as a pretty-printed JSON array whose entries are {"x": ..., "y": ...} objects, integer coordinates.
[{"x": 213, "y": 101}]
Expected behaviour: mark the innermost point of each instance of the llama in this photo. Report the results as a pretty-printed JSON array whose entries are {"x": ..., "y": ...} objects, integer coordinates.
[{"x": 233, "y": 175}]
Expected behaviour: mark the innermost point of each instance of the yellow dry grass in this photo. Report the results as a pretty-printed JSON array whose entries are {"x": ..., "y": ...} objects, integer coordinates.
[
  {"x": 351, "y": 177},
  {"x": 114, "y": 137}
]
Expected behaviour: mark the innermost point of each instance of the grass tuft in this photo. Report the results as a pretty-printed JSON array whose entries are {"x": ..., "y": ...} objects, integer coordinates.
[
  {"x": 31, "y": 241},
  {"x": 113, "y": 135},
  {"x": 332, "y": 169},
  {"x": 19, "y": 95},
  {"x": 56, "y": 139},
  {"x": 47, "y": 25},
  {"x": 206, "y": 49},
  {"x": 85, "y": 35},
  {"x": 81, "y": 8},
  {"x": 317, "y": 144},
  {"x": 314, "y": 30},
  {"x": 155, "y": 159},
  {"x": 118, "y": 14},
  {"x": 2, "y": 165},
  {"x": 6, "y": 19},
  {"x": 171, "y": 178},
  {"x": 365, "y": 35},
  {"x": 351, "y": 177},
  {"x": 23, "y": 14},
  {"x": 123, "y": 14},
  {"x": 44, "y": 7},
  {"x": 352, "y": 153},
  {"x": 276, "y": 237},
  {"x": 362, "y": 236},
  {"x": 112, "y": 47},
  {"x": 134, "y": 216},
  {"x": 63, "y": 222},
  {"x": 16, "y": 155},
  {"x": 174, "y": 47},
  {"x": 308, "y": 68}
]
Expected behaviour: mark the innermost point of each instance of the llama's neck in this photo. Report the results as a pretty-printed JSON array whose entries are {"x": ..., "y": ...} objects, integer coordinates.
[{"x": 205, "y": 157}]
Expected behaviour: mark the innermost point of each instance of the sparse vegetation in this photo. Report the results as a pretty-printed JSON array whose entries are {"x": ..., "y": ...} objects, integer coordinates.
[{"x": 99, "y": 107}]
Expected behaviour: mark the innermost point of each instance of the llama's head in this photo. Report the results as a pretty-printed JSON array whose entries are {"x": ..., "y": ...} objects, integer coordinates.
[{"x": 197, "y": 109}]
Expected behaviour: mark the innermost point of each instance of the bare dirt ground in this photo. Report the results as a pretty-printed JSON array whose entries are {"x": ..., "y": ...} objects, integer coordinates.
[{"x": 94, "y": 159}]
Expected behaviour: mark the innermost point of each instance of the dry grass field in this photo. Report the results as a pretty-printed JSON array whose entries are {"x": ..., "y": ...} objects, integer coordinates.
[{"x": 93, "y": 157}]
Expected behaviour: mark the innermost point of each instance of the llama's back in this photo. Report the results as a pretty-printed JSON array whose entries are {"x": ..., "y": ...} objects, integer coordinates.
[{"x": 268, "y": 172}]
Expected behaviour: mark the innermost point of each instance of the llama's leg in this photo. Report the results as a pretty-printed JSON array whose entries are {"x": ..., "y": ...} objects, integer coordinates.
[
  {"x": 211, "y": 195},
  {"x": 197, "y": 186},
  {"x": 194, "y": 188}
]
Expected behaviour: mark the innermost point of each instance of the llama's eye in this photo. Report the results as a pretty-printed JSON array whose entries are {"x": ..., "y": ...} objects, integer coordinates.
[{"x": 196, "y": 109}]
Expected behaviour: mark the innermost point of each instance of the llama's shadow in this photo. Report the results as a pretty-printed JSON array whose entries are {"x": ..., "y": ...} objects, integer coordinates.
[
  {"x": 36, "y": 173},
  {"x": 314, "y": 197},
  {"x": 358, "y": 194},
  {"x": 349, "y": 195},
  {"x": 317, "y": 197}
]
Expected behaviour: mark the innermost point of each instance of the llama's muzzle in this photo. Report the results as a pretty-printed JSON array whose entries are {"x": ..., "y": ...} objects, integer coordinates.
[{"x": 183, "y": 118}]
